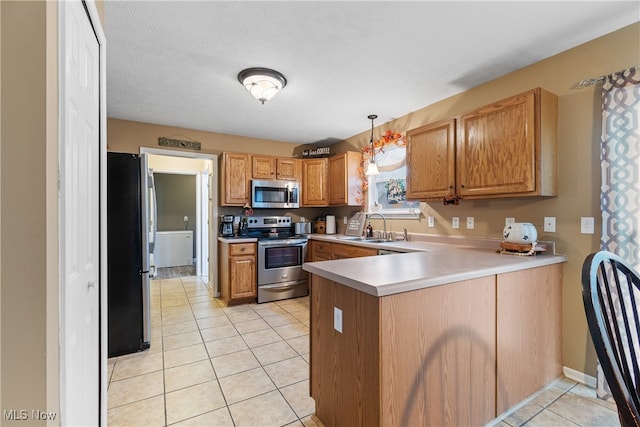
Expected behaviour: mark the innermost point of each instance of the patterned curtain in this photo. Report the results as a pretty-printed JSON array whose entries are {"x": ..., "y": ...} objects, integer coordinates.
[{"x": 620, "y": 160}]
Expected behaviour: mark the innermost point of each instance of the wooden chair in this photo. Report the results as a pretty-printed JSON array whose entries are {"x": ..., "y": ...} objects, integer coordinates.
[{"x": 610, "y": 292}]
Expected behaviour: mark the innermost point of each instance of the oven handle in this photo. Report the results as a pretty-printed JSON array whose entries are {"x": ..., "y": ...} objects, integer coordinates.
[
  {"x": 283, "y": 287},
  {"x": 282, "y": 242}
]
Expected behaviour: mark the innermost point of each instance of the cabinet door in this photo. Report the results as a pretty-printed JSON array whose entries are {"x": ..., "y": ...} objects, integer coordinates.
[
  {"x": 263, "y": 167},
  {"x": 315, "y": 177},
  {"x": 431, "y": 161},
  {"x": 341, "y": 251},
  {"x": 288, "y": 169},
  {"x": 320, "y": 251},
  {"x": 497, "y": 148},
  {"x": 236, "y": 178},
  {"x": 242, "y": 275},
  {"x": 338, "y": 179}
]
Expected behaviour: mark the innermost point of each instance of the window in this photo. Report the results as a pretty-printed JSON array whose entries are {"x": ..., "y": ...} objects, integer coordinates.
[{"x": 387, "y": 191}]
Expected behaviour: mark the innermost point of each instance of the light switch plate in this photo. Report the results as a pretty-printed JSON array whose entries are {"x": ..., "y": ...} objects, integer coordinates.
[
  {"x": 509, "y": 220},
  {"x": 455, "y": 222},
  {"x": 587, "y": 225},
  {"x": 337, "y": 319},
  {"x": 550, "y": 224},
  {"x": 470, "y": 223},
  {"x": 432, "y": 221}
]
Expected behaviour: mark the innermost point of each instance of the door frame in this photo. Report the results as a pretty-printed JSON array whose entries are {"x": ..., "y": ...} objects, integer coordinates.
[
  {"x": 213, "y": 203},
  {"x": 96, "y": 25}
]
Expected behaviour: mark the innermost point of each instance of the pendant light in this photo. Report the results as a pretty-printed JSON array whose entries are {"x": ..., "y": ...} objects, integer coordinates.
[
  {"x": 262, "y": 83},
  {"x": 372, "y": 168}
]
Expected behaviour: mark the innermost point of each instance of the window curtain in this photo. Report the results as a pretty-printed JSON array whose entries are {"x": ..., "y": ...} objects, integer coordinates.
[{"x": 620, "y": 162}]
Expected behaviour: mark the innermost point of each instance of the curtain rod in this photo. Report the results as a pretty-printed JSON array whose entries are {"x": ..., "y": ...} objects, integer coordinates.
[
  {"x": 589, "y": 82},
  {"x": 595, "y": 80}
]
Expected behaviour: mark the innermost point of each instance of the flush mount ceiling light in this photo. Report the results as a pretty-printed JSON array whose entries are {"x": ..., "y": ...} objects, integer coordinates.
[
  {"x": 372, "y": 168},
  {"x": 262, "y": 83}
]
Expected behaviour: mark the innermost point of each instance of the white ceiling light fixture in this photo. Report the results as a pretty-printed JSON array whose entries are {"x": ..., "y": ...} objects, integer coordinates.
[
  {"x": 262, "y": 83},
  {"x": 372, "y": 168}
]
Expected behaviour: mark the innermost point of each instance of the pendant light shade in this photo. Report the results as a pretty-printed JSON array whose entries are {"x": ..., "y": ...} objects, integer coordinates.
[
  {"x": 262, "y": 83},
  {"x": 372, "y": 168}
]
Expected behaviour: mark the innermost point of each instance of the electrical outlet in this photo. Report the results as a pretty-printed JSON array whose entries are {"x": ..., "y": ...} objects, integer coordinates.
[
  {"x": 550, "y": 224},
  {"x": 455, "y": 222},
  {"x": 186, "y": 218},
  {"x": 587, "y": 225},
  {"x": 345, "y": 220},
  {"x": 509, "y": 220},
  {"x": 337, "y": 319},
  {"x": 432, "y": 221},
  {"x": 470, "y": 223}
]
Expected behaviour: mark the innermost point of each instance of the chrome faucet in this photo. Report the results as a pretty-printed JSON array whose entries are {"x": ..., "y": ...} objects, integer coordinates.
[{"x": 384, "y": 223}]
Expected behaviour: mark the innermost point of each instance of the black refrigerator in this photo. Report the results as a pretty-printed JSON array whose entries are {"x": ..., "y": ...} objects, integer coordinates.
[{"x": 127, "y": 254}]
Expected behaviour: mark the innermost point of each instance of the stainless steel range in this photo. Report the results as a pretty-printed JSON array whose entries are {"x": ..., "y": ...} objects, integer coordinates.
[{"x": 280, "y": 256}]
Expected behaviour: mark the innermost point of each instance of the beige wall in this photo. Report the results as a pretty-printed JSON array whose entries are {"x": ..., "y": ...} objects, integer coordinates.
[
  {"x": 29, "y": 244},
  {"x": 127, "y": 137},
  {"x": 579, "y": 120}
]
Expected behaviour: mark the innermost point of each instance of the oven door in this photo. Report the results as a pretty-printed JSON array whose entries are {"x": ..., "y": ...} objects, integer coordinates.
[{"x": 280, "y": 261}]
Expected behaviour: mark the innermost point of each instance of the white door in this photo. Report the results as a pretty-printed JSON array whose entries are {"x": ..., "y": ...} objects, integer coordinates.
[
  {"x": 202, "y": 198},
  {"x": 79, "y": 217}
]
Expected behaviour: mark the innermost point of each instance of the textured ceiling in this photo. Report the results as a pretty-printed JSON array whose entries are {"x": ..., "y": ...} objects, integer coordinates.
[{"x": 176, "y": 62}]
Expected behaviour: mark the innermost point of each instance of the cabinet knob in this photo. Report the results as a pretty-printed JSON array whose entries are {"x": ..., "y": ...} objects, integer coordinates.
[{"x": 462, "y": 186}]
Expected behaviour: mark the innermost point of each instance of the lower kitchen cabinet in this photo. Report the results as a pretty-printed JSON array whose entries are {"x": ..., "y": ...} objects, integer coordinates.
[
  {"x": 324, "y": 251},
  {"x": 237, "y": 272}
]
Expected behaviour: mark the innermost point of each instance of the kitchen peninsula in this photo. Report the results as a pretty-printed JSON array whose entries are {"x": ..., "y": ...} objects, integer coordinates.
[{"x": 443, "y": 335}]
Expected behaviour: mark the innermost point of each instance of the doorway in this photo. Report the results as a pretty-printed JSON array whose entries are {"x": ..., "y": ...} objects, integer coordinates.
[{"x": 203, "y": 169}]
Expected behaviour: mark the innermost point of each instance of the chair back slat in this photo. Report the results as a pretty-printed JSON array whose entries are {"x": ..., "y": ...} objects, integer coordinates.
[{"x": 610, "y": 290}]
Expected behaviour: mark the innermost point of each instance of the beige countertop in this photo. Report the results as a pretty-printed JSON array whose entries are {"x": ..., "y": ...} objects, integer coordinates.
[
  {"x": 429, "y": 261},
  {"x": 237, "y": 239}
]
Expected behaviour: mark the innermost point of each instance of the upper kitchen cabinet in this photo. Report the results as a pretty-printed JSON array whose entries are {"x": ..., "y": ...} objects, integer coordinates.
[
  {"x": 508, "y": 148},
  {"x": 431, "y": 161},
  {"x": 235, "y": 179},
  {"x": 288, "y": 169},
  {"x": 265, "y": 167},
  {"x": 315, "y": 182},
  {"x": 345, "y": 183},
  {"x": 505, "y": 149}
]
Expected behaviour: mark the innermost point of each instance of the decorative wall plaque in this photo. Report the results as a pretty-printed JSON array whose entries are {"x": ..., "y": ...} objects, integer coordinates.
[{"x": 179, "y": 143}]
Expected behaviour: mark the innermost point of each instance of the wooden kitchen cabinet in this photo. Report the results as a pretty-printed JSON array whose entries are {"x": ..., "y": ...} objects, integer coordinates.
[
  {"x": 431, "y": 161},
  {"x": 315, "y": 182},
  {"x": 508, "y": 148},
  {"x": 504, "y": 149},
  {"x": 288, "y": 169},
  {"x": 325, "y": 251},
  {"x": 345, "y": 183},
  {"x": 235, "y": 179},
  {"x": 265, "y": 167},
  {"x": 341, "y": 251},
  {"x": 237, "y": 272}
]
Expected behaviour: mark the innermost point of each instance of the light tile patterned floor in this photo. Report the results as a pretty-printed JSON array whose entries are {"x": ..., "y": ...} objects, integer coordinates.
[
  {"x": 211, "y": 365},
  {"x": 248, "y": 365}
]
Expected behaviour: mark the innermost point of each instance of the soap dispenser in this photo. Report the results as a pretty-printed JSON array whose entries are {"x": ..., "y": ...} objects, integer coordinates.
[{"x": 369, "y": 230}]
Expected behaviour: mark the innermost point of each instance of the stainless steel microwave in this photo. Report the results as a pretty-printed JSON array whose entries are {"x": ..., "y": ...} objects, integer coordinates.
[{"x": 274, "y": 194}]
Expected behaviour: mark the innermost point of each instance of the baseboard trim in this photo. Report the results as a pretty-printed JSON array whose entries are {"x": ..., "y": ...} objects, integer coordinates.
[{"x": 580, "y": 377}]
